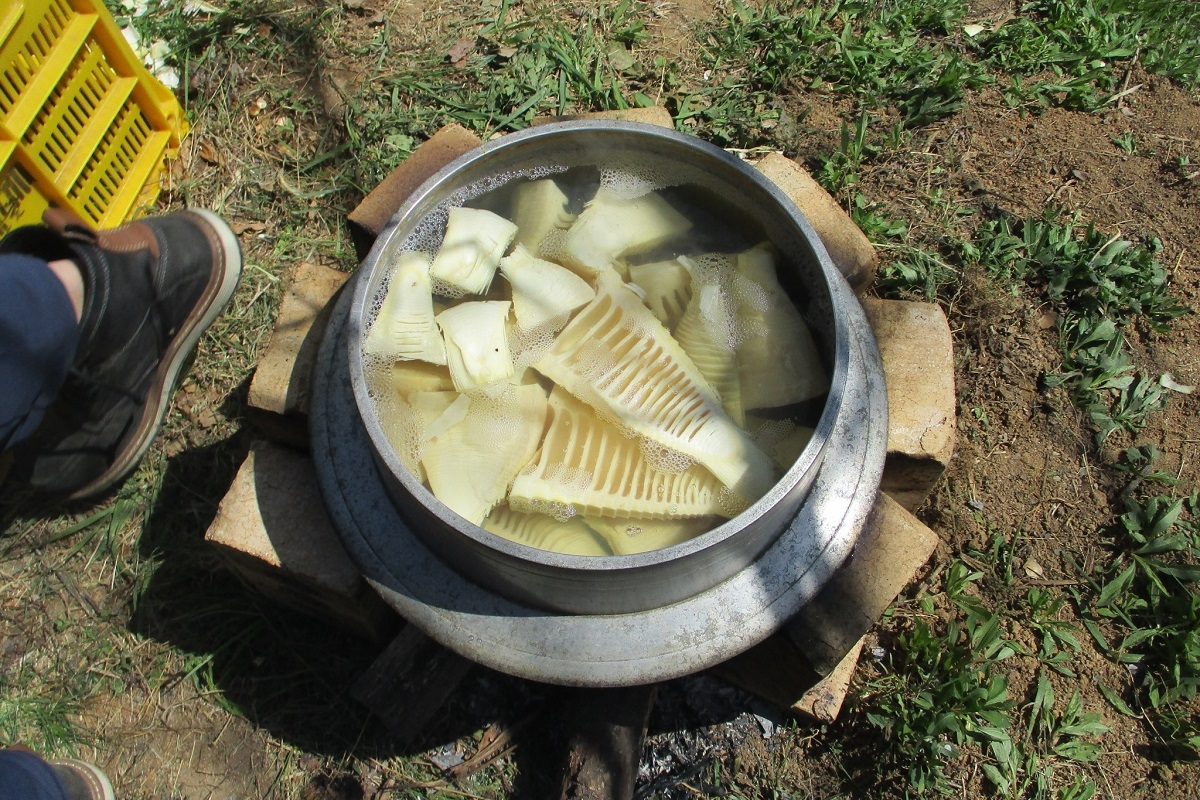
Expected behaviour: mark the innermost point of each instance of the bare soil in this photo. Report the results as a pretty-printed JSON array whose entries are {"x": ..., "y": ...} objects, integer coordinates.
[{"x": 1026, "y": 468}]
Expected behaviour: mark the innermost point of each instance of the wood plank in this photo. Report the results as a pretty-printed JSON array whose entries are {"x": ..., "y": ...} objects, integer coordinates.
[
  {"x": 409, "y": 682},
  {"x": 606, "y": 728},
  {"x": 273, "y": 531},
  {"x": 892, "y": 547}
]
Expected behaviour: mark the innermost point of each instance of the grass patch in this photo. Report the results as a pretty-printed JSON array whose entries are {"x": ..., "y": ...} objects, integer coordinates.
[
  {"x": 1089, "y": 45},
  {"x": 1144, "y": 612},
  {"x": 504, "y": 70},
  {"x": 899, "y": 55},
  {"x": 1101, "y": 287},
  {"x": 944, "y": 692}
]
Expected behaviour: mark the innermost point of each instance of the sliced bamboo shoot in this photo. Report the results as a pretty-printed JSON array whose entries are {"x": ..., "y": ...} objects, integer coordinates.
[
  {"x": 539, "y": 207},
  {"x": 587, "y": 466},
  {"x": 778, "y": 361},
  {"x": 609, "y": 229},
  {"x": 788, "y": 449},
  {"x": 782, "y": 438},
  {"x": 471, "y": 464},
  {"x": 571, "y": 538},
  {"x": 542, "y": 292},
  {"x": 475, "y": 241},
  {"x": 616, "y": 356},
  {"x": 477, "y": 343},
  {"x": 706, "y": 333},
  {"x": 627, "y": 537},
  {"x": 406, "y": 377},
  {"x": 404, "y": 327},
  {"x": 668, "y": 288}
]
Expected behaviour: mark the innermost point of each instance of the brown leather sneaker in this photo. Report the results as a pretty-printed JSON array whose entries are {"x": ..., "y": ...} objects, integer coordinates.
[{"x": 151, "y": 289}]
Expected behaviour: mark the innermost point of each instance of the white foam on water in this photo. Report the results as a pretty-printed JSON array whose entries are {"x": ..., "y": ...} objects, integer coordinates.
[{"x": 663, "y": 458}]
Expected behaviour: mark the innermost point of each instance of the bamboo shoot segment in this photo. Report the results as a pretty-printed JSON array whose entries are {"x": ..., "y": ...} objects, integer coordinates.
[
  {"x": 477, "y": 343},
  {"x": 404, "y": 327},
  {"x": 782, "y": 438},
  {"x": 610, "y": 228},
  {"x": 668, "y": 288},
  {"x": 470, "y": 464},
  {"x": 706, "y": 332},
  {"x": 542, "y": 292},
  {"x": 475, "y": 241},
  {"x": 409, "y": 424},
  {"x": 571, "y": 538},
  {"x": 778, "y": 361},
  {"x": 627, "y": 537},
  {"x": 539, "y": 207},
  {"x": 616, "y": 356},
  {"x": 406, "y": 377},
  {"x": 453, "y": 414},
  {"x": 788, "y": 449},
  {"x": 586, "y": 466}
]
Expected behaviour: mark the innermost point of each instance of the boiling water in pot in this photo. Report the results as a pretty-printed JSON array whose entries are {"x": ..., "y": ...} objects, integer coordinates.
[{"x": 592, "y": 361}]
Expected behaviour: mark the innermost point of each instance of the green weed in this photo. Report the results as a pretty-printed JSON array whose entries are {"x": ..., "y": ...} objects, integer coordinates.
[
  {"x": 943, "y": 688},
  {"x": 518, "y": 64},
  {"x": 839, "y": 170},
  {"x": 916, "y": 270},
  {"x": 1100, "y": 285},
  {"x": 1082, "y": 42},
  {"x": 1059, "y": 645},
  {"x": 1146, "y": 596},
  {"x": 889, "y": 54},
  {"x": 1126, "y": 143},
  {"x": 39, "y": 713}
]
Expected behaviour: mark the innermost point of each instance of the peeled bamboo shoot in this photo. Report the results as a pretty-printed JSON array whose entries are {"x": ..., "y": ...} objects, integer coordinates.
[
  {"x": 616, "y": 356},
  {"x": 404, "y": 327},
  {"x": 586, "y": 466},
  {"x": 474, "y": 243}
]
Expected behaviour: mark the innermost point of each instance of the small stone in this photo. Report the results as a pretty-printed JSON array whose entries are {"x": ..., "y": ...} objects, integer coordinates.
[
  {"x": 446, "y": 757},
  {"x": 1047, "y": 320}
]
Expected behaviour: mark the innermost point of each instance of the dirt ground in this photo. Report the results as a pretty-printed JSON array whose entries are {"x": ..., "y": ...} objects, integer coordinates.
[{"x": 1025, "y": 467}]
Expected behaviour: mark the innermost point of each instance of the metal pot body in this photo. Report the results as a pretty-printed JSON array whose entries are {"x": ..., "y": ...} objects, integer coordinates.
[{"x": 614, "y": 584}]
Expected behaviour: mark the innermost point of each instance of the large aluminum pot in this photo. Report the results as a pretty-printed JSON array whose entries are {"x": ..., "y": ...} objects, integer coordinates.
[{"x": 613, "y": 584}]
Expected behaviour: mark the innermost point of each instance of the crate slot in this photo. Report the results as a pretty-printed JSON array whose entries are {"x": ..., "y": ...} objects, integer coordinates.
[{"x": 83, "y": 124}]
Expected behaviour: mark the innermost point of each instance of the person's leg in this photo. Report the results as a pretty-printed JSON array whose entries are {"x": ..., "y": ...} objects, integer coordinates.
[
  {"x": 150, "y": 290},
  {"x": 26, "y": 776},
  {"x": 39, "y": 331}
]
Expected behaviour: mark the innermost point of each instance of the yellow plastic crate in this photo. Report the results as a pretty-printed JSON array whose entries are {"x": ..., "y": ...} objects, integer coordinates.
[{"x": 83, "y": 125}]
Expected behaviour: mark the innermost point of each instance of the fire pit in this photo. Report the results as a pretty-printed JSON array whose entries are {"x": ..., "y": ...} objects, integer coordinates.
[{"x": 617, "y": 620}]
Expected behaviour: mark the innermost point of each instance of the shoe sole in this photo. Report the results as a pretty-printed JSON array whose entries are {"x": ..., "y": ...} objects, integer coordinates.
[
  {"x": 98, "y": 784},
  {"x": 216, "y": 297}
]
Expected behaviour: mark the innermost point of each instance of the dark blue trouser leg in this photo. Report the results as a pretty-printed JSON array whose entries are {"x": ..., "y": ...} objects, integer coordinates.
[
  {"x": 38, "y": 337},
  {"x": 24, "y": 776}
]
